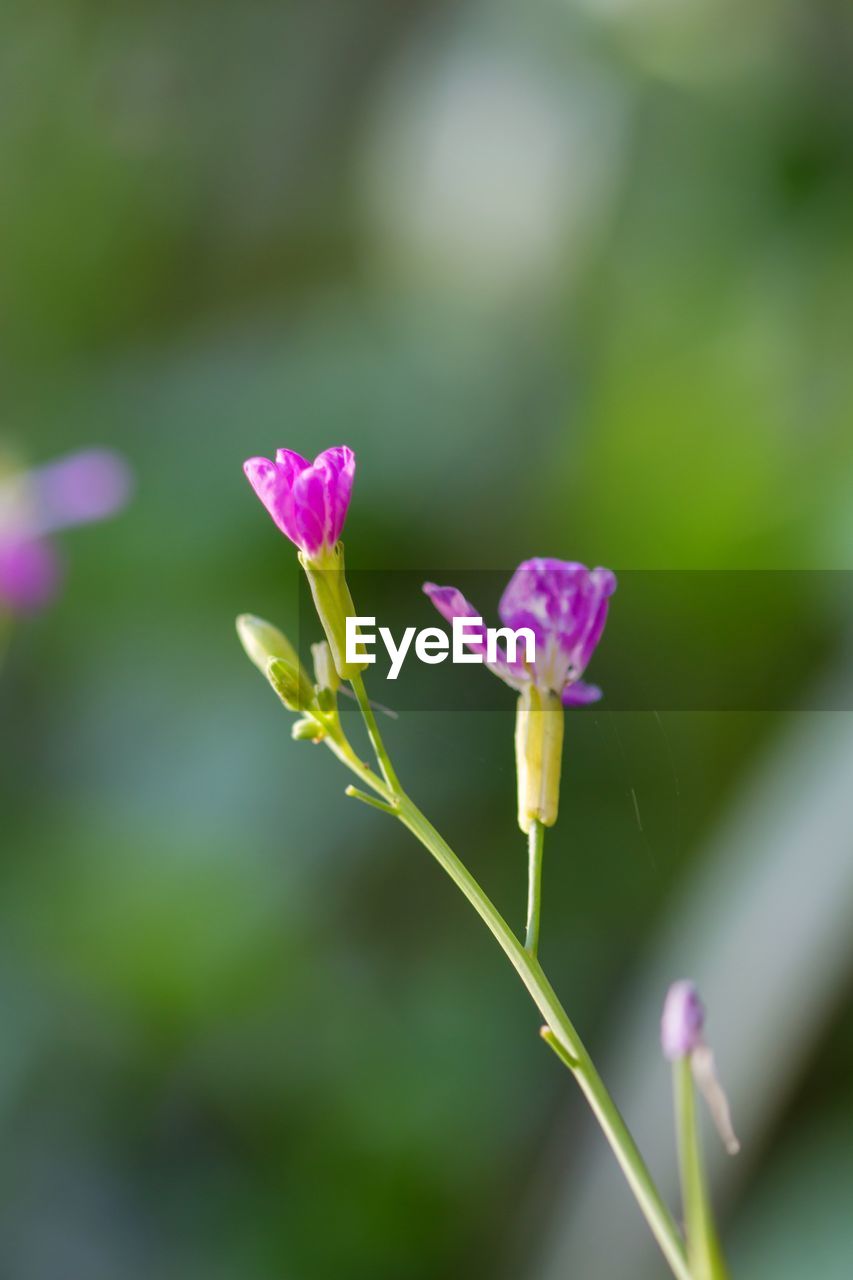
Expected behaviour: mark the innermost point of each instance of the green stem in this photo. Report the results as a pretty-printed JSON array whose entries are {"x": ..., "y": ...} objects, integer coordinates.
[
  {"x": 553, "y": 1043},
  {"x": 703, "y": 1246},
  {"x": 526, "y": 965},
  {"x": 530, "y": 971},
  {"x": 339, "y": 747},
  {"x": 357, "y": 682},
  {"x": 535, "y": 844},
  {"x": 355, "y": 794}
]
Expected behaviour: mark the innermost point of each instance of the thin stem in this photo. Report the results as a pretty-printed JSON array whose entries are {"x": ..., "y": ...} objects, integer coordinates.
[
  {"x": 553, "y": 1043},
  {"x": 341, "y": 748},
  {"x": 355, "y": 794},
  {"x": 530, "y": 971},
  {"x": 535, "y": 844},
  {"x": 703, "y": 1246},
  {"x": 615, "y": 1130},
  {"x": 382, "y": 758}
]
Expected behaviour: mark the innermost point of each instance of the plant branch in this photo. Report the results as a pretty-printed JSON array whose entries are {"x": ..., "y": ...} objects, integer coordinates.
[
  {"x": 374, "y": 803},
  {"x": 561, "y": 1034}
]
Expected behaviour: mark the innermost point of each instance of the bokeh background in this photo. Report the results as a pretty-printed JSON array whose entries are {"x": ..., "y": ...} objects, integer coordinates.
[{"x": 574, "y": 277}]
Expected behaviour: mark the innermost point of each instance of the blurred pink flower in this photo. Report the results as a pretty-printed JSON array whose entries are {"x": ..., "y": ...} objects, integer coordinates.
[
  {"x": 682, "y": 1022},
  {"x": 78, "y": 489}
]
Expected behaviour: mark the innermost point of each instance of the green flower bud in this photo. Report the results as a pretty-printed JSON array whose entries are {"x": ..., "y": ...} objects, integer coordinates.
[
  {"x": 538, "y": 756},
  {"x": 307, "y": 731},
  {"x": 291, "y": 684},
  {"x": 265, "y": 644},
  {"x": 333, "y": 603},
  {"x": 263, "y": 641}
]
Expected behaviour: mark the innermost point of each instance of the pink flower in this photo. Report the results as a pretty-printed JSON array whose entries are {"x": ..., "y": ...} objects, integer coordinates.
[
  {"x": 307, "y": 500},
  {"x": 682, "y": 1036},
  {"x": 29, "y": 574},
  {"x": 81, "y": 488},
  {"x": 78, "y": 489},
  {"x": 682, "y": 1022},
  {"x": 564, "y": 604}
]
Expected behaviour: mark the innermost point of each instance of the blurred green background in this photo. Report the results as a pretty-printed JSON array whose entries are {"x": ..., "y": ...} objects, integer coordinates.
[{"x": 573, "y": 277}]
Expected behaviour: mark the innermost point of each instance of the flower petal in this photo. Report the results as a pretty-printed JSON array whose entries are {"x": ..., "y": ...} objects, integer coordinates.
[
  {"x": 78, "y": 489},
  {"x": 272, "y": 484},
  {"x": 291, "y": 462},
  {"x": 566, "y": 605},
  {"x": 337, "y": 467},
  {"x": 600, "y": 585},
  {"x": 542, "y": 588},
  {"x": 580, "y": 694},
  {"x": 451, "y": 604},
  {"x": 29, "y": 574}
]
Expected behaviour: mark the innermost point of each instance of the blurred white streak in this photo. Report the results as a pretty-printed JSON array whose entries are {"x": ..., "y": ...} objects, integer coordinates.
[
  {"x": 487, "y": 171},
  {"x": 763, "y": 927}
]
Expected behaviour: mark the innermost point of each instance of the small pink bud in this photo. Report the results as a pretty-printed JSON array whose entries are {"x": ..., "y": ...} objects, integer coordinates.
[
  {"x": 682, "y": 1027},
  {"x": 682, "y": 1022}
]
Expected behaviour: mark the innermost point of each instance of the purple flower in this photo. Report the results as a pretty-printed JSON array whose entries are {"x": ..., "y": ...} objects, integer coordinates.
[
  {"x": 682, "y": 1022},
  {"x": 307, "y": 500},
  {"x": 78, "y": 489},
  {"x": 29, "y": 574},
  {"x": 564, "y": 604},
  {"x": 681, "y": 1033}
]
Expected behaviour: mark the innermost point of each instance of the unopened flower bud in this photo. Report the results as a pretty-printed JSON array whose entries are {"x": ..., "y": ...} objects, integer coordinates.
[
  {"x": 291, "y": 684},
  {"x": 682, "y": 1022},
  {"x": 682, "y": 1027},
  {"x": 307, "y": 730},
  {"x": 538, "y": 755},
  {"x": 265, "y": 644},
  {"x": 263, "y": 641}
]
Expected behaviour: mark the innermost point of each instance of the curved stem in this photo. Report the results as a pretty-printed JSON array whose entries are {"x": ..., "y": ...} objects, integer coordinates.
[
  {"x": 615, "y": 1130},
  {"x": 535, "y": 844},
  {"x": 528, "y": 968}
]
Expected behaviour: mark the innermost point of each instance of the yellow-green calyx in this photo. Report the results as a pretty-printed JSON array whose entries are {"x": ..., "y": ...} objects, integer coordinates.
[
  {"x": 265, "y": 645},
  {"x": 538, "y": 756},
  {"x": 333, "y": 602}
]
